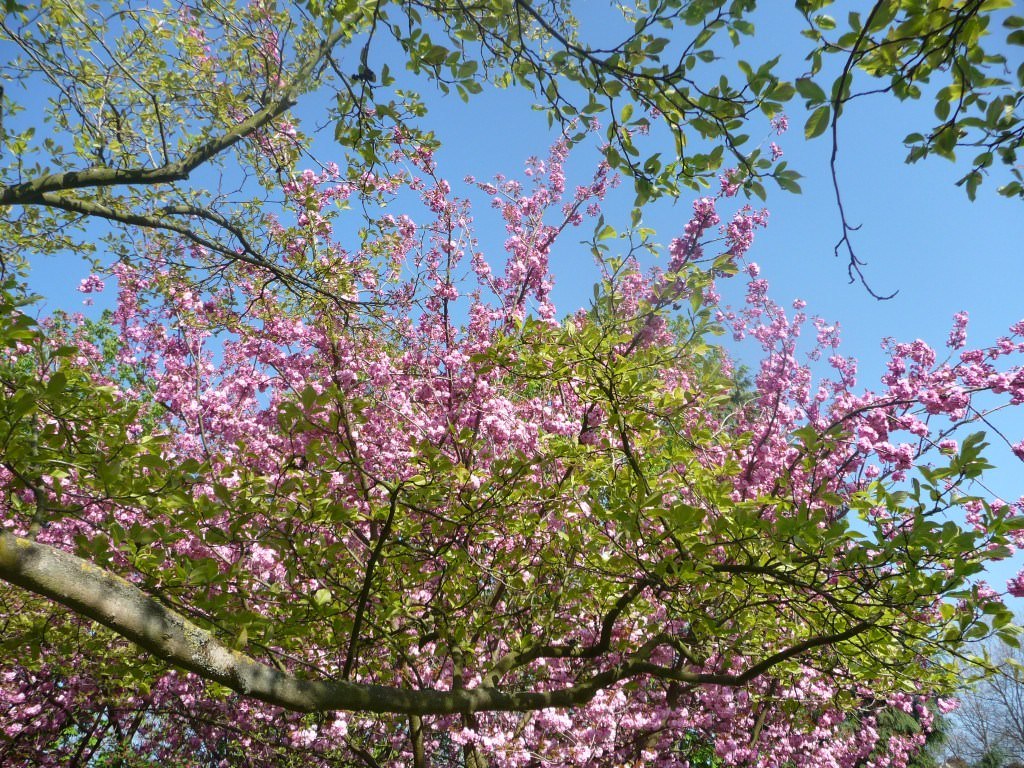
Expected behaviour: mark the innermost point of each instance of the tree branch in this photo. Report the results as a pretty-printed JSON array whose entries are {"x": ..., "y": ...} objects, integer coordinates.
[
  {"x": 244, "y": 254},
  {"x": 364, "y": 593},
  {"x": 31, "y": 192},
  {"x": 94, "y": 593}
]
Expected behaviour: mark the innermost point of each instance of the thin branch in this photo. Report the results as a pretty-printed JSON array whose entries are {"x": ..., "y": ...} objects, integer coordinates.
[
  {"x": 153, "y": 222},
  {"x": 854, "y": 264},
  {"x": 364, "y": 592}
]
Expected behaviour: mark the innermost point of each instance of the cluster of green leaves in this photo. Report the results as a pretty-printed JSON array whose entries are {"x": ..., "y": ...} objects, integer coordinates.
[
  {"x": 45, "y": 406},
  {"x": 947, "y": 51},
  {"x": 666, "y": 68}
]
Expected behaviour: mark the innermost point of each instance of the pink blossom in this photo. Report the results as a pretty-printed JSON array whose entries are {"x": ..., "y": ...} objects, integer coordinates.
[
  {"x": 958, "y": 335},
  {"x": 1015, "y": 586},
  {"x": 780, "y": 124},
  {"x": 729, "y": 182},
  {"x": 91, "y": 284}
]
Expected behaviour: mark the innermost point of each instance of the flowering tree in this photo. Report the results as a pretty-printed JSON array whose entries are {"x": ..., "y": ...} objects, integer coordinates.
[
  {"x": 331, "y": 486},
  {"x": 438, "y": 525}
]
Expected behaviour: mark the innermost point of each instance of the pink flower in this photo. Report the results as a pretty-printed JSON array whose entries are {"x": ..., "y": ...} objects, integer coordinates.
[
  {"x": 730, "y": 185},
  {"x": 985, "y": 593},
  {"x": 1015, "y": 586},
  {"x": 958, "y": 334},
  {"x": 91, "y": 284},
  {"x": 688, "y": 248},
  {"x": 946, "y": 705}
]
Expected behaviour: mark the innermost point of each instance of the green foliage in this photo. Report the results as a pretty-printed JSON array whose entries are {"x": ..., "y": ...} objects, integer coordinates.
[
  {"x": 699, "y": 753},
  {"x": 962, "y": 55}
]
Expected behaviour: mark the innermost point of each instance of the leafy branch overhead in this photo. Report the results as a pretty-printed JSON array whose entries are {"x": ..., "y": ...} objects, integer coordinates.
[
  {"x": 125, "y": 132},
  {"x": 966, "y": 56}
]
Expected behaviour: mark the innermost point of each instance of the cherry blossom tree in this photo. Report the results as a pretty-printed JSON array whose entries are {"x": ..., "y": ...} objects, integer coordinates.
[
  {"x": 331, "y": 485},
  {"x": 442, "y": 526}
]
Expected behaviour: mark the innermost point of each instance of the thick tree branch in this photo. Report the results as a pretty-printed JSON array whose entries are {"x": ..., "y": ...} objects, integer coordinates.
[
  {"x": 32, "y": 192},
  {"x": 99, "y": 595}
]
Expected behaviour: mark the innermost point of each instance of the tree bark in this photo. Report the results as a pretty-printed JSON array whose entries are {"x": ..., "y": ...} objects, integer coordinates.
[{"x": 106, "y": 598}]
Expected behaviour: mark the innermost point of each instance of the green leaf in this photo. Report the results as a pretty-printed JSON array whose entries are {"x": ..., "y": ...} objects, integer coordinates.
[
  {"x": 944, "y": 142},
  {"x": 781, "y": 92},
  {"x": 611, "y": 87},
  {"x": 884, "y": 13},
  {"x": 817, "y": 122},
  {"x": 436, "y": 55},
  {"x": 787, "y": 181},
  {"x": 810, "y": 90},
  {"x": 57, "y": 383},
  {"x": 825, "y": 22}
]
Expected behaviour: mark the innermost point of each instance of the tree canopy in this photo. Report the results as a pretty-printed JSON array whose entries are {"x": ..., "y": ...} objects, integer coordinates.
[
  {"x": 328, "y": 485},
  {"x": 139, "y": 98}
]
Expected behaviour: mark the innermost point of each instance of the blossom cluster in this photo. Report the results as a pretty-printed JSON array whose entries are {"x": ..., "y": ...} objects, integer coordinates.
[{"x": 420, "y": 477}]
